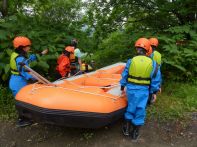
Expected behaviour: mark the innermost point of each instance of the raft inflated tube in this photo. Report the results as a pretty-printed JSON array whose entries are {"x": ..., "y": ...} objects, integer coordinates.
[{"x": 76, "y": 101}]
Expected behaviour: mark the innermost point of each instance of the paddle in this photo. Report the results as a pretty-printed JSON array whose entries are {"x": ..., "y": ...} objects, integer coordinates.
[{"x": 36, "y": 75}]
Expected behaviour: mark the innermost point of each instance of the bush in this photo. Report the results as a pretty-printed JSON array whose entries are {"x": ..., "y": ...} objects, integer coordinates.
[
  {"x": 7, "y": 104},
  {"x": 178, "y": 49},
  {"x": 114, "y": 49}
]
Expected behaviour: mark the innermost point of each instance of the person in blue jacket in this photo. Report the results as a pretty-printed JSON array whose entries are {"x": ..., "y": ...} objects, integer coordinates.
[
  {"x": 141, "y": 77},
  {"x": 155, "y": 55},
  {"x": 19, "y": 76}
]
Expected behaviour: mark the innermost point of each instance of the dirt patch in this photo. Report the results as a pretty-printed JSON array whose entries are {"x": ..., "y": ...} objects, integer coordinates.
[{"x": 152, "y": 134}]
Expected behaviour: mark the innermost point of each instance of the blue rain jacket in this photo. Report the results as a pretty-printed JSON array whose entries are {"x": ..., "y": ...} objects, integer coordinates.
[{"x": 19, "y": 81}]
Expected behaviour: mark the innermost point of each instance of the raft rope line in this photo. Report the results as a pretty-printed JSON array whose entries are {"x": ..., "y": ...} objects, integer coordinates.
[
  {"x": 67, "y": 77},
  {"x": 83, "y": 86},
  {"x": 33, "y": 89},
  {"x": 83, "y": 83},
  {"x": 85, "y": 75}
]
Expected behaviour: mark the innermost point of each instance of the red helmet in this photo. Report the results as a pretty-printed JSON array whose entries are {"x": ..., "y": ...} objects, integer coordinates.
[
  {"x": 70, "y": 49},
  {"x": 150, "y": 51},
  {"x": 143, "y": 43},
  {"x": 154, "y": 41},
  {"x": 21, "y": 41}
]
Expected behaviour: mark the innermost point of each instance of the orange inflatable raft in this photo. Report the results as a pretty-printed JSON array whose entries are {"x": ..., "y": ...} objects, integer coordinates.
[{"x": 89, "y": 101}]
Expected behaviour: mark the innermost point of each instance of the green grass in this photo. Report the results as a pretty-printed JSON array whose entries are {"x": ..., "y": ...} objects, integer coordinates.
[
  {"x": 7, "y": 107},
  {"x": 176, "y": 100}
]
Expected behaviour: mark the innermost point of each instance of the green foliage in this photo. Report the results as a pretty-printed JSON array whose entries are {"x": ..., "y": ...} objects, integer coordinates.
[
  {"x": 107, "y": 30},
  {"x": 113, "y": 49},
  {"x": 48, "y": 24},
  {"x": 141, "y": 15},
  {"x": 7, "y": 107},
  {"x": 176, "y": 100},
  {"x": 179, "y": 53},
  {"x": 172, "y": 22}
]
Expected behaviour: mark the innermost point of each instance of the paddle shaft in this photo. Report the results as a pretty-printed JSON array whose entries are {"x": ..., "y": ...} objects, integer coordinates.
[{"x": 37, "y": 75}]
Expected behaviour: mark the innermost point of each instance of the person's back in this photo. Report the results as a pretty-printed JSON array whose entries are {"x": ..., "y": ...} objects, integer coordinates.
[
  {"x": 63, "y": 63},
  {"x": 141, "y": 77},
  {"x": 156, "y": 56},
  {"x": 61, "y": 58},
  {"x": 63, "y": 66},
  {"x": 140, "y": 70}
]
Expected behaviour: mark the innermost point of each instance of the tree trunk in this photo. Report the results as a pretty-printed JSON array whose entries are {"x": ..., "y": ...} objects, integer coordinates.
[{"x": 5, "y": 8}]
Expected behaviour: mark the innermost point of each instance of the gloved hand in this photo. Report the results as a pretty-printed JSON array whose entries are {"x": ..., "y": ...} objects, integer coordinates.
[
  {"x": 32, "y": 57},
  {"x": 69, "y": 75},
  {"x": 151, "y": 99},
  {"x": 44, "y": 52},
  {"x": 32, "y": 80},
  {"x": 122, "y": 91},
  {"x": 122, "y": 88},
  {"x": 160, "y": 90},
  {"x": 154, "y": 97}
]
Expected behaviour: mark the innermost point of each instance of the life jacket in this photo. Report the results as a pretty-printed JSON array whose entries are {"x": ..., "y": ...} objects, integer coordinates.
[
  {"x": 72, "y": 57},
  {"x": 140, "y": 70},
  {"x": 13, "y": 65},
  {"x": 85, "y": 67},
  {"x": 157, "y": 57}
]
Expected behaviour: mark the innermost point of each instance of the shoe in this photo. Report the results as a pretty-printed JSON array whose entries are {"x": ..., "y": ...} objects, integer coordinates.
[
  {"x": 23, "y": 123},
  {"x": 126, "y": 128},
  {"x": 135, "y": 133}
]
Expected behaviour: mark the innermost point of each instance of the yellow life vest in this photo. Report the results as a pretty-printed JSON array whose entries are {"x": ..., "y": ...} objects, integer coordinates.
[
  {"x": 85, "y": 67},
  {"x": 157, "y": 57},
  {"x": 140, "y": 70},
  {"x": 13, "y": 65}
]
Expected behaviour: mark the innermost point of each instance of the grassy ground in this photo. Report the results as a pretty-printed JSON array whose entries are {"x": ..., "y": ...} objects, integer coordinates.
[
  {"x": 175, "y": 102},
  {"x": 7, "y": 107}
]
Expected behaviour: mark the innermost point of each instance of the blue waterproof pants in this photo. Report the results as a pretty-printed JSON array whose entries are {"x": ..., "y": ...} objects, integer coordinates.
[
  {"x": 16, "y": 83},
  {"x": 136, "y": 109}
]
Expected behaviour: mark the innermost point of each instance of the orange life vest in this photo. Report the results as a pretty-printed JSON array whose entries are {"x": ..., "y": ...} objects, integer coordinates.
[{"x": 72, "y": 57}]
